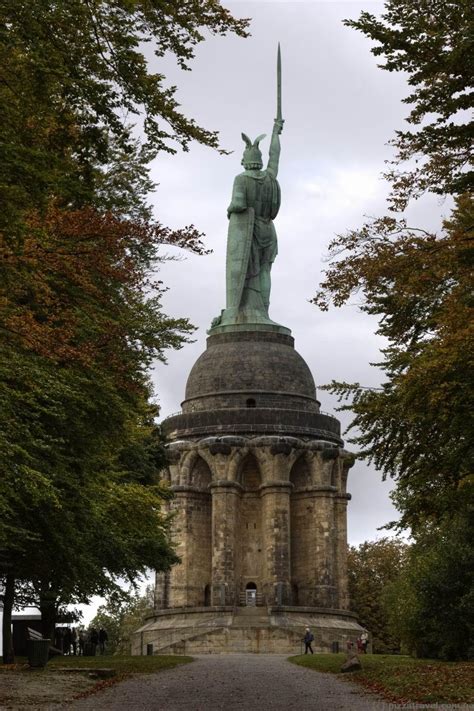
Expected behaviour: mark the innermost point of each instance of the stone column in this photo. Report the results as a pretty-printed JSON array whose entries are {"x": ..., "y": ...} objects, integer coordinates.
[
  {"x": 341, "y": 550},
  {"x": 179, "y": 591},
  {"x": 276, "y": 536},
  {"x": 225, "y": 538},
  {"x": 162, "y": 590},
  {"x": 325, "y": 592}
]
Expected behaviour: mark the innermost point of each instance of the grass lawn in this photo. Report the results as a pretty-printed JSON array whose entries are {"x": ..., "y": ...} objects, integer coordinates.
[
  {"x": 123, "y": 665},
  {"x": 22, "y": 688},
  {"x": 402, "y": 679}
]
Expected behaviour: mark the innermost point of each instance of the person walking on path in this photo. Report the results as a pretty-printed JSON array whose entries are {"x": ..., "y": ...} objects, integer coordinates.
[{"x": 308, "y": 638}]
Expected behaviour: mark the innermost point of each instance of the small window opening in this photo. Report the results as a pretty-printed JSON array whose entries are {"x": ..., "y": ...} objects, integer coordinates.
[{"x": 251, "y": 402}]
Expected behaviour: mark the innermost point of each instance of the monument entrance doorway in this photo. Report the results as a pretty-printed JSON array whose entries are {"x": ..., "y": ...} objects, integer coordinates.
[{"x": 251, "y": 595}]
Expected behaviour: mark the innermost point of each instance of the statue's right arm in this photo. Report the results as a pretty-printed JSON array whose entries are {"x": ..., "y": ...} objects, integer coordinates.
[
  {"x": 239, "y": 197},
  {"x": 274, "y": 158}
]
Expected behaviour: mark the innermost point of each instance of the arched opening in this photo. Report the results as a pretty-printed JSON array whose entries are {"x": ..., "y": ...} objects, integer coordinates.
[
  {"x": 251, "y": 594},
  {"x": 301, "y": 531},
  {"x": 195, "y": 519},
  {"x": 250, "y": 476},
  {"x": 251, "y": 402},
  {"x": 251, "y": 538},
  {"x": 207, "y": 596},
  {"x": 300, "y": 475},
  {"x": 201, "y": 474}
]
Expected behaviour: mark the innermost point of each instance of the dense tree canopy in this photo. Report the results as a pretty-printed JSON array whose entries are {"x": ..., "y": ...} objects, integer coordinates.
[
  {"x": 373, "y": 567},
  {"x": 73, "y": 77},
  {"x": 433, "y": 42},
  {"x": 80, "y": 311},
  {"x": 121, "y": 616},
  {"x": 418, "y": 427},
  {"x": 431, "y": 606}
]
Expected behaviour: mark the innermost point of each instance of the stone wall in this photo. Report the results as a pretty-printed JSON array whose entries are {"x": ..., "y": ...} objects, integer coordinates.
[
  {"x": 269, "y": 511},
  {"x": 227, "y": 630}
]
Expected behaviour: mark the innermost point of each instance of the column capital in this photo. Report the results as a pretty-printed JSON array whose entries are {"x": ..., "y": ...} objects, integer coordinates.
[
  {"x": 187, "y": 489},
  {"x": 225, "y": 484},
  {"x": 275, "y": 486}
]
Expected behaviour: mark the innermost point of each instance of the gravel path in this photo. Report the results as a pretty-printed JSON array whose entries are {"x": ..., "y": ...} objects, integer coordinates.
[{"x": 231, "y": 682}]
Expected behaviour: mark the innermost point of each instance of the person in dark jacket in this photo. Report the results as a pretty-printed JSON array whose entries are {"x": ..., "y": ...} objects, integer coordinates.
[
  {"x": 94, "y": 639},
  {"x": 103, "y": 638},
  {"x": 308, "y": 638},
  {"x": 67, "y": 641}
]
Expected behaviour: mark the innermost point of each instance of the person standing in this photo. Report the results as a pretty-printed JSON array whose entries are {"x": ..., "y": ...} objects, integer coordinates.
[
  {"x": 103, "y": 638},
  {"x": 74, "y": 640},
  {"x": 82, "y": 641},
  {"x": 94, "y": 640},
  {"x": 308, "y": 638},
  {"x": 67, "y": 641},
  {"x": 364, "y": 638}
]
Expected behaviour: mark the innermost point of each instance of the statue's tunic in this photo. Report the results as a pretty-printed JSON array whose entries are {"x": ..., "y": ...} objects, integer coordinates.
[{"x": 258, "y": 190}]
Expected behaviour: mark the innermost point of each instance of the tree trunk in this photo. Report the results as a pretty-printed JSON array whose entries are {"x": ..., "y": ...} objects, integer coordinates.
[
  {"x": 48, "y": 616},
  {"x": 8, "y": 599}
]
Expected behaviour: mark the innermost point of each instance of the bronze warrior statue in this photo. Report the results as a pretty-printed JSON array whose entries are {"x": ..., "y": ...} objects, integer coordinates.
[{"x": 252, "y": 241}]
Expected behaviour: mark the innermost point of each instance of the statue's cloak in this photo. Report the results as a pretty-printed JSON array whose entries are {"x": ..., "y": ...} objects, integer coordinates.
[{"x": 251, "y": 237}]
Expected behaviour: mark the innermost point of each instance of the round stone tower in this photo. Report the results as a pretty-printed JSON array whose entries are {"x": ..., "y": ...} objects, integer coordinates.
[{"x": 259, "y": 479}]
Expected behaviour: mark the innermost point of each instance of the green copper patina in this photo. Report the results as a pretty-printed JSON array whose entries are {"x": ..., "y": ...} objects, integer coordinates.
[{"x": 252, "y": 241}]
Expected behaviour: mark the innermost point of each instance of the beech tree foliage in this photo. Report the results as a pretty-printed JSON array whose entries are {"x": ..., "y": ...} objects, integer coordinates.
[
  {"x": 121, "y": 616},
  {"x": 80, "y": 310},
  {"x": 372, "y": 567},
  {"x": 432, "y": 42},
  {"x": 75, "y": 77},
  {"x": 431, "y": 606},
  {"x": 417, "y": 427}
]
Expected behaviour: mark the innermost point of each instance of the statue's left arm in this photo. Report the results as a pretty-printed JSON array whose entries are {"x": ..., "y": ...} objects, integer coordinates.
[{"x": 274, "y": 157}]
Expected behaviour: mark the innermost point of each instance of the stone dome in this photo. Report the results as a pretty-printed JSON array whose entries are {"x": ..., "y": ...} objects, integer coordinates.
[
  {"x": 250, "y": 369},
  {"x": 251, "y": 383}
]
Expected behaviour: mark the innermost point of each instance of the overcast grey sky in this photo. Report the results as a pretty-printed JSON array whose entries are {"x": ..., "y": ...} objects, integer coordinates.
[{"x": 340, "y": 110}]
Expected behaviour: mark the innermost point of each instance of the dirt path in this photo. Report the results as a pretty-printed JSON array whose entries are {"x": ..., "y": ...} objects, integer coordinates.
[{"x": 231, "y": 682}]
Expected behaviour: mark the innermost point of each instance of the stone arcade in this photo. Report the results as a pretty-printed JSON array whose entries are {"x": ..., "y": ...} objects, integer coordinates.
[{"x": 258, "y": 471}]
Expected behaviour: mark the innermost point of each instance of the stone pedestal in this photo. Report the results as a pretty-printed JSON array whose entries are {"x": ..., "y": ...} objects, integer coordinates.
[{"x": 260, "y": 477}]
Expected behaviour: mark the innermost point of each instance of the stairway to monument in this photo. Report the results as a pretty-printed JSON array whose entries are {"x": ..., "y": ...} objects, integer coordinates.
[{"x": 251, "y": 616}]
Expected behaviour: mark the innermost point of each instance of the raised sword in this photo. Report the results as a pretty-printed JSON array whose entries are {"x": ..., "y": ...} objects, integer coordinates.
[{"x": 279, "y": 116}]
